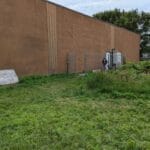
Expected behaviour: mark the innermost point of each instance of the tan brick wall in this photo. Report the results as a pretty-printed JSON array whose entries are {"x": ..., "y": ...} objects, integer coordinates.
[
  {"x": 40, "y": 38},
  {"x": 128, "y": 43},
  {"x": 52, "y": 38},
  {"x": 89, "y": 39},
  {"x": 23, "y": 36},
  {"x": 81, "y": 35}
]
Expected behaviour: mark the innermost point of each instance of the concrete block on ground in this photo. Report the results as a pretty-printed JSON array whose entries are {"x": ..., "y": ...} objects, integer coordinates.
[{"x": 8, "y": 76}]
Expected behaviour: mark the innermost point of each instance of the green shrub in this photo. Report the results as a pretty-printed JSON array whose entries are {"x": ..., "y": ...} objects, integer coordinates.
[
  {"x": 98, "y": 80},
  {"x": 130, "y": 81},
  {"x": 105, "y": 82},
  {"x": 141, "y": 67}
]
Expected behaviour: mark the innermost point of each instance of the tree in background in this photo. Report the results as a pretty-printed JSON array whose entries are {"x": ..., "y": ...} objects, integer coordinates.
[
  {"x": 144, "y": 30},
  {"x": 131, "y": 20}
]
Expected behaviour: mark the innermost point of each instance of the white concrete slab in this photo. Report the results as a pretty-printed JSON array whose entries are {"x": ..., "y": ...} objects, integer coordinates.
[{"x": 8, "y": 76}]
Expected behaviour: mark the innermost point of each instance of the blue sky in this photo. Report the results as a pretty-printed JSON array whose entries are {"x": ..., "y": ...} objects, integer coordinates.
[{"x": 90, "y": 7}]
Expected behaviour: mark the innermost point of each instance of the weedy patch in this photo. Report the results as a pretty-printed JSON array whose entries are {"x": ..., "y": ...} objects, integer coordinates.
[{"x": 95, "y": 111}]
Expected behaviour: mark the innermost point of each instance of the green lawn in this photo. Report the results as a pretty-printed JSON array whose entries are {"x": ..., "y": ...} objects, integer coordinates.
[{"x": 60, "y": 113}]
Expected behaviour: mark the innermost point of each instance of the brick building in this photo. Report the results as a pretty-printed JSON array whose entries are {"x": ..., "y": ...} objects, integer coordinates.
[{"x": 40, "y": 37}]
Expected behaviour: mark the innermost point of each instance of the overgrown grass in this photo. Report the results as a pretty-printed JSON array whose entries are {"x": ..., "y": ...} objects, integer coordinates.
[
  {"x": 119, "y": 86},
  {"x": 93, "y": 112},
  {"x": 130, "y": 81}
]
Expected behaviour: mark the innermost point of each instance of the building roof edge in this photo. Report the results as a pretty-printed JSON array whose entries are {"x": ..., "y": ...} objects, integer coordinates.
[{"x": 58, "y": 5}]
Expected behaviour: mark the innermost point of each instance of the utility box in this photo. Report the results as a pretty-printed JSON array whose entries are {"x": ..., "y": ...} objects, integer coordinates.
[
  {"x": 114, "y": 59},
  {"x": 118, "y": 59}
]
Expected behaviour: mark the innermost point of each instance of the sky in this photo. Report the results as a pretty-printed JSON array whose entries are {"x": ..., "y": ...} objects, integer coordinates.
[{"x": 91, "y": 7}]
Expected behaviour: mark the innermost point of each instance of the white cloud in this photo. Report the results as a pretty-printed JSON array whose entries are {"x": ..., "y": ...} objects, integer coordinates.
[{"x": 92, "y": 6}]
